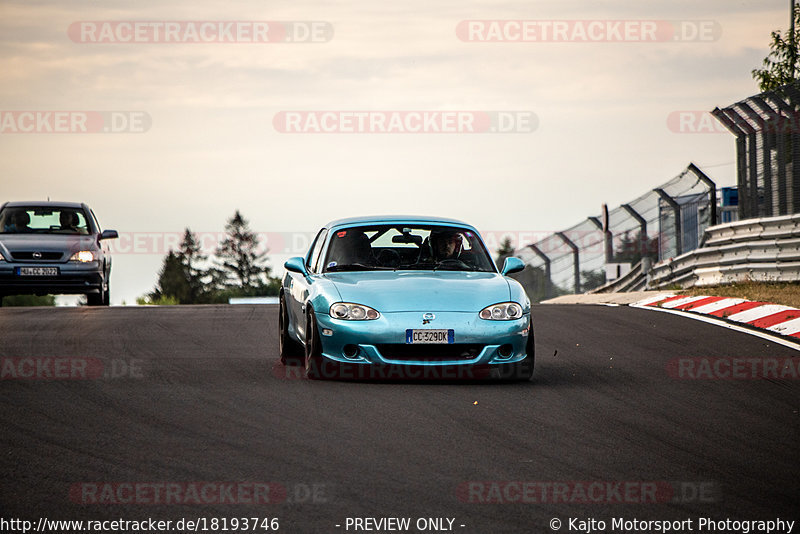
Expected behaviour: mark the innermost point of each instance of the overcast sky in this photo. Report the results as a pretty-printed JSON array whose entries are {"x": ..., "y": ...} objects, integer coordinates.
[{"x": 211, "y": 145}]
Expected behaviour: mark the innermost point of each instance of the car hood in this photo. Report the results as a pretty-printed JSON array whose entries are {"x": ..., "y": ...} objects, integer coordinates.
[
  {"x": 396, "y": 291},
  {"x": 45, "y": 243}
]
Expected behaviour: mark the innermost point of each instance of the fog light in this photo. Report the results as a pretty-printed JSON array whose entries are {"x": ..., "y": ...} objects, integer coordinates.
[
  {"x": 350, "y": 351},
  {"x": 505, "y": 351}
]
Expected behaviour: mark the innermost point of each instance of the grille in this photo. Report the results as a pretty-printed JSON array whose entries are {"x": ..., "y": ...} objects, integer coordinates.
[
  {"x": 430, "y": 353},
  {"x": 46, "y": 256}
]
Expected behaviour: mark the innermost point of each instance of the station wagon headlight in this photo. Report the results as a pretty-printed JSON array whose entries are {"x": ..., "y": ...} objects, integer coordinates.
[
  {"x": 353, "y": 312},
  {"x": 505, "y": 311},
  {"x": 83, "y": 256}
]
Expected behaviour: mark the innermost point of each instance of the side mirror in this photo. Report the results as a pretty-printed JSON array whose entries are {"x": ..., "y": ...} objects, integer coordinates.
[
  {"x": 108, "y": 234},
  {"x": 297, "y": 265},
  {"x": 512, "y": 265}
]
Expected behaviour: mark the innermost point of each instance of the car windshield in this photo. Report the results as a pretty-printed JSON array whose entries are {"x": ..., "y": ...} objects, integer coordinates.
[
  {"x": 43, "y": 220},
  {"x": 414, "y": 247}
]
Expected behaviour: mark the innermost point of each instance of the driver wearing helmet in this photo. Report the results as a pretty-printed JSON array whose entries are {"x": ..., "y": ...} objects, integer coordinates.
[{"x": 446, "y": 244}]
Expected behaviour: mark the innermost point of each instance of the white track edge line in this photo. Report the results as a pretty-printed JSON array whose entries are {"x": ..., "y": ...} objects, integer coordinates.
[{"x": 719, "y": 322}]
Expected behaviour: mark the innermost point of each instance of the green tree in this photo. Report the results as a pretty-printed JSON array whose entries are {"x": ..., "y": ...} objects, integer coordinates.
[
  {"x": 244, "y": 266},
  {"x": 191, "y": 257},
  {"x": 781, "y": 66},
  {"x": 505, "y": 250},
  {"x": 187, "y": 277},
  {"x": 629, "y": 248},
  {"x": 533, "y": 279},
  {"x": 592, "y": 279},
  {"x": 172, "y": 281},
  {"x": 536, "y": 284}
]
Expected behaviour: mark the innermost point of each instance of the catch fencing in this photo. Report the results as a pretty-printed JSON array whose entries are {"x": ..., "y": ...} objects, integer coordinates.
[{"x": 665, "y": 222}]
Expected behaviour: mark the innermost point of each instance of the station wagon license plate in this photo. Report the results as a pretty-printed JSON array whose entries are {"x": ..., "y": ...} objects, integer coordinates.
[
  {"x": 430, "y": 336},
  {"x": 37, "y": 271}
]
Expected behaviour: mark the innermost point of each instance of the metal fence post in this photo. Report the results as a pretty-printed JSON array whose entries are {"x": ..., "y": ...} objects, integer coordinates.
[
  {"x": 575, "y": 260},
  {"x": 642, "y": 227},
  {"x": 712, "y": 191},
  {"x": 609, "y": 254},
  {"x": 676, "y": 210},
  {"x": 737, "y": 125},
  {"x": 548, "y": 284}
]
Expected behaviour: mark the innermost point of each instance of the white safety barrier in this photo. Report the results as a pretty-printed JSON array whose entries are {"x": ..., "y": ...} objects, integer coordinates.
[
  {"x": 762, "y": 250},
  {"x": 633, "y": 280}
]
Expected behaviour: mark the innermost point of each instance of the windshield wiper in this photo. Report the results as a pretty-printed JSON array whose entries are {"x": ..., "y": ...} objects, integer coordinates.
[{"x": 353, "y": 267}]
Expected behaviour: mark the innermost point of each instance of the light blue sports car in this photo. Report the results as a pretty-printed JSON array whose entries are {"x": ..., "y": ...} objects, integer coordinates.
[{"x": 404, "y": 297}]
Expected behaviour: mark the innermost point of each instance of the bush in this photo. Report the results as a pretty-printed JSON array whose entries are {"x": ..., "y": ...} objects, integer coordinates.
[
  {"x": 29, "y": 300},
  {"x": 161, "y": 300}
]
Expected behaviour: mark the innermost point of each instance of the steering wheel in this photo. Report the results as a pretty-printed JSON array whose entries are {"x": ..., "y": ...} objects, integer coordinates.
[
  {"x": 389, "y": 258},
  {"x": 453, "y": 262}
]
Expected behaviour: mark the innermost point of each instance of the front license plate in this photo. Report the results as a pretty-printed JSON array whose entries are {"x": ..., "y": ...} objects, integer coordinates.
[
  {"x": 429, "y": 336},
  {"x": 38, "y": 271}
]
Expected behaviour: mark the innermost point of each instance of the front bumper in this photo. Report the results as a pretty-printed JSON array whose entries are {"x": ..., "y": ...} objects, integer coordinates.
[
  {"x": 72, "y": 278},
  {"x": 477, "y": 342}
]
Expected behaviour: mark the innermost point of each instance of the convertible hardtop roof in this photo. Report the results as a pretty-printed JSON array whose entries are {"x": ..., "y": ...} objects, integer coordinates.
[
  {"x": 391, "y": 219},
  {"x": 44, "y": 204}
]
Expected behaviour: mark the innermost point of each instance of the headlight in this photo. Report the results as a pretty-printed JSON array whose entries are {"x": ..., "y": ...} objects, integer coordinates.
[
  {"x": 505, "y": 311},
  {"x": 83, "y": 256},
  {"x": 353, "y": 312}
]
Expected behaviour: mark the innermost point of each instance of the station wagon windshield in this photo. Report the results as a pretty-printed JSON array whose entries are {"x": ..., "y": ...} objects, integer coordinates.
[{"x": 43, "y": 220}]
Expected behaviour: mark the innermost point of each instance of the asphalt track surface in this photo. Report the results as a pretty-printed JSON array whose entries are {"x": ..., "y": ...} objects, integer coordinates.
[{"x": 207, "y": 401}]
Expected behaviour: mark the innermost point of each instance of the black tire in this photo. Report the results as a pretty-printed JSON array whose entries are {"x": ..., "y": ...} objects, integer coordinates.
[
  {"x": 95, "y": 299},
  {"x": 103, "y": 298},
  {"x": 290, "y": 351},
  {"x": 313, "y": 348}
]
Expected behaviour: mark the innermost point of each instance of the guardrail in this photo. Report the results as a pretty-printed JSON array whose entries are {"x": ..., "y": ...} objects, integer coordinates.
[
  {"x": 633, "y": 280},
  {"x": 764, "y": 250}
]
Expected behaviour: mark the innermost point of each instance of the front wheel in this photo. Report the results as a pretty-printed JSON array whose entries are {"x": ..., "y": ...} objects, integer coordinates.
[
  {"x": 290, "y": 350},
  {"x": 313, "y": 347},
  {"x": 103, "y": 298},
  {"x": 96, "y": 299}
]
